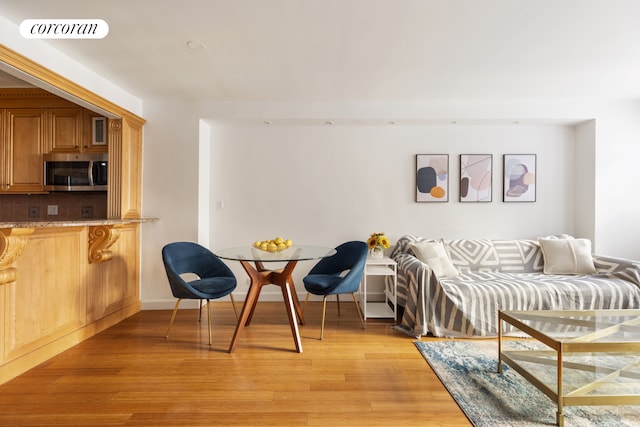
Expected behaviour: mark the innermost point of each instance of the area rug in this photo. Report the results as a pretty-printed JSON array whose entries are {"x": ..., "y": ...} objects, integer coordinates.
[{"x": 468, "y": 370}]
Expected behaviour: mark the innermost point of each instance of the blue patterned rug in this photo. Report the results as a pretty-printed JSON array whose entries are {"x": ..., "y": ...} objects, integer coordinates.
[{"x": 468, "y": 369}]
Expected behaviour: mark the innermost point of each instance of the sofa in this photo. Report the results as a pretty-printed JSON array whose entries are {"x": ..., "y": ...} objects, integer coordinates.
[{"x": 454, "y": 288}]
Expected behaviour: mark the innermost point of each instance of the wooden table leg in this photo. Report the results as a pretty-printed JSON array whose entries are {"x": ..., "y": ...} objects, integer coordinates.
[
  {"x": 249, "y": 304},
  {"x": 260, "y": 277},
  {"x": 252, "y": 298},
  {"x": 296, "y": 303},
  {"x": 288, "y": 301},
  {"x": 284, "y": 280}
]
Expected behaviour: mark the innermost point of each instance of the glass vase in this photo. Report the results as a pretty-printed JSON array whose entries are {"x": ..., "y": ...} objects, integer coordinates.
[{"x": 377, "y": 252}]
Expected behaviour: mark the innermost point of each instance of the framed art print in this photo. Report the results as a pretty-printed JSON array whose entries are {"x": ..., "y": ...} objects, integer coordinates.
[
  {"x": 476, "y": 171},
  {"x": 432, "y": 177},
  {"x": 519, "y": 178}
]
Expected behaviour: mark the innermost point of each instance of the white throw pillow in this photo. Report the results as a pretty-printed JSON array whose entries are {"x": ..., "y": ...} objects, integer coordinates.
[
  {"x": 434, "y": 254},
  {"x": 567, "y": 256}
]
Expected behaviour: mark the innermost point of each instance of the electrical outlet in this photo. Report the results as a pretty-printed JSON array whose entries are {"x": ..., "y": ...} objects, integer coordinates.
[
  {"x": 86, "y": 212},
  {"x": 34, "y": 211},
  {"x": 52, "y": 209}
]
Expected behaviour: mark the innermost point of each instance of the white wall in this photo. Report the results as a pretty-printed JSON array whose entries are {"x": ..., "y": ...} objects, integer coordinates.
[
  {"x": 349, "y": 181},
  {"x": 325, "y": 184},
  {"x": 617, "y": 160}
]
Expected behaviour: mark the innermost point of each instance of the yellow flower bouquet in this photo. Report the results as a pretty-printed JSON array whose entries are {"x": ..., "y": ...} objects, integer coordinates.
[{"x": 377, "y": 243}]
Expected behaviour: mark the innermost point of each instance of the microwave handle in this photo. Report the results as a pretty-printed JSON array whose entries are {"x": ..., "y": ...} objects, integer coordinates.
[{"x": 90, "y": 172}]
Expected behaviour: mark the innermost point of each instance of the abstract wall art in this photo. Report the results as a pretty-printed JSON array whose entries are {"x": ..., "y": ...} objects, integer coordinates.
[
  {"x": 432, "y": 177},
  {"x": 519, "y": 178},
  {"x": 476, "y": 171}
]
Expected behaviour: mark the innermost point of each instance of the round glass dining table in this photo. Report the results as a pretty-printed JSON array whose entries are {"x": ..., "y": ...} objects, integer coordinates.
[{"x": 252, "y": 260}]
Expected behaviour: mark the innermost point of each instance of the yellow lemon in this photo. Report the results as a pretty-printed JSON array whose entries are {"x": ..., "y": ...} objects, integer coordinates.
[
  {"x": 272, "y": 247},
  {"x": 288, "y": 242},
  {"x": 282, "y": 247},
  {"x": 278, "y": 240},
  {"x": 257, "y": 243},
  {"x": 264, "y": 246}
]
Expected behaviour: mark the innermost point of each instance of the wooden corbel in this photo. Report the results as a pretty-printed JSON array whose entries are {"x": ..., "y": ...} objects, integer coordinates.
[
  {"x": 101, "y": 237},
  {"x": 13, "y": 242}
]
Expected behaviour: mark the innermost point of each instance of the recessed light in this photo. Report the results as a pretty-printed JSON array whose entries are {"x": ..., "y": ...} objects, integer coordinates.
[
  {"x": 267, "y": 122},
  {"x": 328, "y": 122},
  {"x": 392, "y": 122},
  {"x": 454, "y": 122},
  {"x": 196, "y": 45}
]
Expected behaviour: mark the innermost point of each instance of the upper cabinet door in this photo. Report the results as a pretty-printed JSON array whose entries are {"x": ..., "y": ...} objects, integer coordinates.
[
  {"x": 91, "y": 143},
  {"x": 65, "y": 130},
  {"x": 24, "y": 135}
]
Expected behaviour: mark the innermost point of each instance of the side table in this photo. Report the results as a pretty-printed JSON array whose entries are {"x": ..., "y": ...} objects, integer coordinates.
[{"x": 384, "y": 266}]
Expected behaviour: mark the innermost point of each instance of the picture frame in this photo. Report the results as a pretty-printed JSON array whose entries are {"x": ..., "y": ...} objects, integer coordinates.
[
  {"x": 432, "y": 177},
  {"x": 476, "y": 178},
  {"x": 519, "y": 178}
]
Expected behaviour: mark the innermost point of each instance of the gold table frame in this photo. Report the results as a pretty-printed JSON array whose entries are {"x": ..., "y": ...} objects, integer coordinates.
[{"x": 584, "y": 333}]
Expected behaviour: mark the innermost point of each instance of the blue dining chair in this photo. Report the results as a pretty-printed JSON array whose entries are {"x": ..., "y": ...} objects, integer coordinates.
[
  {"x": 214, "y": 278},
  {"x": 338, "y": 274}
]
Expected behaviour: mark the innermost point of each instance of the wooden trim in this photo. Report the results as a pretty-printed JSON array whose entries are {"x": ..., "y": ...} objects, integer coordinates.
[
  {"x": 114, "y": 137},
  {"x": 101, "y": 238},
  {"x": 13, "y": 242},
  {"x": 36, "y": 70},
  {"x": 26, "y": 92}
]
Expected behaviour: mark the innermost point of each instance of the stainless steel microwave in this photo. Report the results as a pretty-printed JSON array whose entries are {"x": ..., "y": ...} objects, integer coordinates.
[{"x": 75, "y": 172}]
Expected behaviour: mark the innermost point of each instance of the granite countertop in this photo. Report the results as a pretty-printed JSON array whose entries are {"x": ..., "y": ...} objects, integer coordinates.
[{"x": 73, "y": 223}]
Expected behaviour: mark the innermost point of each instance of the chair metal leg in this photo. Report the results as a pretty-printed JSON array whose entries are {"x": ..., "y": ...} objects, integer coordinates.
[
  {"x": 304, "y": 307},
  {"x": 173, "y": 316},
  {"x": 360, "y": 316},
  {"x": 233, "y": 303},
  {"x": 199, "y": 310},
  {"x": 324, "y": 309},
  {"x": 209, "y": 319},
  {"x": 338, "y": 300}
]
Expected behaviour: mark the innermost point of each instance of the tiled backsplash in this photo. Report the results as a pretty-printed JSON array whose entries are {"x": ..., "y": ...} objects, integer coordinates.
[{"x": 40, "y": 207}]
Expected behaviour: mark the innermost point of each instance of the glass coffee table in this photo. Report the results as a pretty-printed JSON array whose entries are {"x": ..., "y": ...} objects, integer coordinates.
[{"x": 577, "y": 358}]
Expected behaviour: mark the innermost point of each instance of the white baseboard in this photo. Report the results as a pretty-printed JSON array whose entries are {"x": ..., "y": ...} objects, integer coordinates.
[{"x": 168, "y": 304}]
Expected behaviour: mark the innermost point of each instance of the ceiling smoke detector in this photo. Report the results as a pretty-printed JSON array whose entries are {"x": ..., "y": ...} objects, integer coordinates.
[{"x": 196, "y": 45}]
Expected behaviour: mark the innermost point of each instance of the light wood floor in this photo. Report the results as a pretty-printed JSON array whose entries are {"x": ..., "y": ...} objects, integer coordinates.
[{"x": 130, "y": 375}]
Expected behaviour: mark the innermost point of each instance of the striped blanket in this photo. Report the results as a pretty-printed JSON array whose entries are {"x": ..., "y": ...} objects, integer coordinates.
[{"x": 500, "y": 275}]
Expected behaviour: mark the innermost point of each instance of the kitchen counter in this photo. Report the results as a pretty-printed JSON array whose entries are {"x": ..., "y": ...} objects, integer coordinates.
[
  {"x": 74, "y": 223},
  {"x": 62, "y": 282}
]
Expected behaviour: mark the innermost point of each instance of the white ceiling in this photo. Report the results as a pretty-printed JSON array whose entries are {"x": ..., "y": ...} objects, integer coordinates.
[{"x": 335, "y": 50}]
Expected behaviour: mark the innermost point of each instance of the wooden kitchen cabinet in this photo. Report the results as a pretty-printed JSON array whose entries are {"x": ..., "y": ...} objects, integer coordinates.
[
  {"x": 88, "y": 144},
  {"x": 71, "y": 131},
  {"x": 65, "y": 288},
  {"x": 33, "y": 123},
  {"x": 47, "y": 301},
  {"x": 65, "y": 130},
  {"x": 23, "y": 146}
]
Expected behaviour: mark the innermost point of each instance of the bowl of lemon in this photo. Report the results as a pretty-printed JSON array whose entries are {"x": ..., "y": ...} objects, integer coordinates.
[{"x": 274, "y": 245}]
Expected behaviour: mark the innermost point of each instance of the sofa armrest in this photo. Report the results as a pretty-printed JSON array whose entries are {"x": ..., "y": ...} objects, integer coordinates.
[
  {"x": 618, "y": 267},
  {"x": 416, "y": 280},
  {"x": 407, "y": 272}
]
